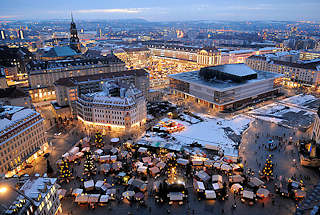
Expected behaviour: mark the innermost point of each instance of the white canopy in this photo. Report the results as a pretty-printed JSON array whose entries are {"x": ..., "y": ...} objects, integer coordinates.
[
  {"x": 113, "y": 158},
  {"x": 65, "y": 155},
  {"x": 142, "y": 169},
  {"x": 217, "y": 165},
  {"x": 161, "y": 165},
  {"x": 236, "y": 187},
  {"x": 154, "y": 170},
  {"x": 263, "y": 193},
  {"x": 235, "y": 166},
  {"x": 142, "y": 150},
  {"x": 175, "y": 196},
  {"x": 83, "y": 198},
  {"x": 198, "y": 185},
  {"x": 203, "y": 175},
  {"x": 74, "y": 150},
  {"x": 146, "y": 160},
  {"x": 128, "y": 194},
  {"x": 79, "y": 154},
  {"x": 212, "y": 147},
  {"x": 77, "y": 191},
  {"x": 117, "y": 165},
  {"x": 196, "y": 162},
  {"x": 210, "y": 194},
  {"x": 99, "y": 184},
  {"x": 114, "y": 150},
  {"x": 247, "y": 194},
  {"x": 104, "y": 198},
  {"x": 99, "y": 151},
  {"x": 226, "y": 167},
  {"x": 104, "y": 158},
  {"x": 111, "y": 191},
  {"x": 62, "y": 193},
  {"x": 85, "y": 149},
  {"x": 236, "y": 179},
  {"x": 182, "y": 161},
  {"x": 114, "y": 140},
  {"x": 94, "y": 198},
  {"x": 217, "y": 178},
  {"x": 217, "y": 186},
  {"x": 208, "y": 163},
  {"x": 88, "y": 184},
  {"x": 138, "y": 163},
  {"x": 256, "y": 181}
]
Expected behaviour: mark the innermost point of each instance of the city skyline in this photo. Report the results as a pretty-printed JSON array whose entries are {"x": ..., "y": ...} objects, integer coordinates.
[{"x": 164, "y": 10}]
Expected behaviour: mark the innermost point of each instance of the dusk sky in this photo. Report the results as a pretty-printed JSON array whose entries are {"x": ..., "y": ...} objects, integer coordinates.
[{"x": 163, "y": 10}]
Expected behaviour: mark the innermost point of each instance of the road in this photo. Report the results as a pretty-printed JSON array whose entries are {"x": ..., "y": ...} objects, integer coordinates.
[
  {"x": 286, "y": 160},
  {"x": 57, "y": 147}
]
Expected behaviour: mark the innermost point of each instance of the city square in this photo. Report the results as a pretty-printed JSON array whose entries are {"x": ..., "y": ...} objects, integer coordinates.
[{"x": 167, "y": 107}]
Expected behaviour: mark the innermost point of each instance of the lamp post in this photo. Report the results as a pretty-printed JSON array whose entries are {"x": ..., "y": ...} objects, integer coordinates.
[{"x": 5, "y": 187}]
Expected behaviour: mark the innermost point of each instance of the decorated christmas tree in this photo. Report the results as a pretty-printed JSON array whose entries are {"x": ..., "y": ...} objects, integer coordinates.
[
  {"x": 267, "y": 170},
  {"x": 98, "y": 140},
  {"x": 65, "y": 173},
  {"x": 89, "y": 166}
]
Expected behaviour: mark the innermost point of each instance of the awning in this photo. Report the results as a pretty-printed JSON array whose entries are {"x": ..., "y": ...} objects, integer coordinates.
[
  {"x": 175, "y": 196},
  {"x": 104, "y": 198},
  {"x": 217, "y": 178},
  {"x": 83, "y": 198},
  {"x": 77, "y": 191},
  {"x": 210, "y": 194},
  {"x": 247, "y": 194},
  {"x": 236, "y": 187},
  {"x": 263, "y": 193},
  {"x": 93, "y": 198}
]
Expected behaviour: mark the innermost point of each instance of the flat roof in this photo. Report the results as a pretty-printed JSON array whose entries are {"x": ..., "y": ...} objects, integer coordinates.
[
  {"x": 240, "y": 70},
  {"x": 194, "y": 78}
]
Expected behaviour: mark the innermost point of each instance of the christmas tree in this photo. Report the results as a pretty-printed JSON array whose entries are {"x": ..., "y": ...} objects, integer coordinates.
[
  {"x": 89, "y": 166},
  {"x": 98, "y": 140},
  {"x": 267, "y": 170},
  {"x": 64, "y": 171}
]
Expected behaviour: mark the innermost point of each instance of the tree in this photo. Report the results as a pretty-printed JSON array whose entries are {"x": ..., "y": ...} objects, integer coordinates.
[
  {"x": 64, "y": 171},
  {"x": 98, "y": 140},
  {"x": 49, "y": 167},
  {"x": 89, "y": 166},
  {"x": 267, "y": 170}
]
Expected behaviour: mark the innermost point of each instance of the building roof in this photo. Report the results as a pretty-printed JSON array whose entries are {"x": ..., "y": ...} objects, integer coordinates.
[
  {"x": 60, "y": 51},
  {"x": 122, "y": 95},
  {"x": 12, "y": 116},
  {"x": 74, "y": 81},
  {"x": 219, "y": 85},
  {"x": 12, "y": 92},
  {"x": 73, "y": 63},
  {"x": 312, "y": 64},
  {"x": 241, "y": 70}
]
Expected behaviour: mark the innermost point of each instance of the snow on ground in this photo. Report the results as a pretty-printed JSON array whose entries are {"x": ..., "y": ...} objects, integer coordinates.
[
  {"x": 212, "y": 132},
  {"x": 300, "y": 100}
]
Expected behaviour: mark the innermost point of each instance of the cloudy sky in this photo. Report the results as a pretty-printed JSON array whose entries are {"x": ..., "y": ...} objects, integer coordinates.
[{"x": 162, "y": 10}]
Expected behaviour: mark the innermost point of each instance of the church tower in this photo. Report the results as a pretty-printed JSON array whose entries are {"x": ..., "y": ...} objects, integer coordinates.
[{"x": 74, "y": 39}]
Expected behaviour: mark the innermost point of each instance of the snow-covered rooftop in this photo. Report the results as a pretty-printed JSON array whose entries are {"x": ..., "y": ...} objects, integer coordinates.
[
  {"x": 14, "y": 115},
  {"x": 33, "y": 187}
]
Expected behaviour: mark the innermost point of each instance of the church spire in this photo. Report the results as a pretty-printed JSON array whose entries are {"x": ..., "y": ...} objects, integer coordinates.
[{"x": 74, "y": 39}]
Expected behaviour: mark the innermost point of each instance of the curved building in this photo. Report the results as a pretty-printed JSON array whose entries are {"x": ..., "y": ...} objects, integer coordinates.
[{"x": 116, "y": 110}]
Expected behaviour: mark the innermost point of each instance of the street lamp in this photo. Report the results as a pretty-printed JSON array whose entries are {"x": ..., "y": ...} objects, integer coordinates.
[
  {"x": 3, "y": 190},
  {"x": 5, "y": 187}
]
